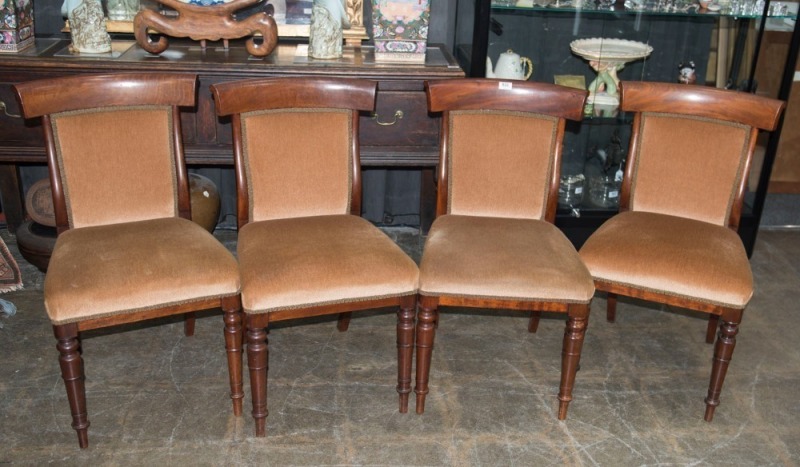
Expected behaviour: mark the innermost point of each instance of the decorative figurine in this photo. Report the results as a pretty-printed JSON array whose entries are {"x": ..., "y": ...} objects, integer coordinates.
[
  {"x": 686, "y": 73},
  {"x": 328, "y": 18},
  {"x": 87, "y": 26}
]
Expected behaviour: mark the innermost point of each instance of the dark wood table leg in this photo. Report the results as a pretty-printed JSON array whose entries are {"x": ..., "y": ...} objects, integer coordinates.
[{"x": 11, "y": 196}]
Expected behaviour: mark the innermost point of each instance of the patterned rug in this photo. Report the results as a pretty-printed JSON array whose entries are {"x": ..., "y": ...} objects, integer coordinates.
[{"x": 10, "y": 277}]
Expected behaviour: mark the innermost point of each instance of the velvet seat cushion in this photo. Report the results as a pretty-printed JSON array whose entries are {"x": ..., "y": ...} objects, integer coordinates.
[
  {"x": 671, "y": 255},
  {"x": 112, "y": 269},
  {"x": 502, "y": 258},
  {"x": 320, "y": 260}
]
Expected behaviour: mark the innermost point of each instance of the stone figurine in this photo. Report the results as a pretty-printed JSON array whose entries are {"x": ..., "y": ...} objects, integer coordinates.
[
  {"x": 328, "y": 18},
  {"x": 87, "y": 25}
]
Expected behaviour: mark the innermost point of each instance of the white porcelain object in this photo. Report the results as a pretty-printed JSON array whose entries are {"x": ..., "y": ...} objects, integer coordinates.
[
  {"x": 607, "y": 57},
  {"x": 510, "y": 66}
]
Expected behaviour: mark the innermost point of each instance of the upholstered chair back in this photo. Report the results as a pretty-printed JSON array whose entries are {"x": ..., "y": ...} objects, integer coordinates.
[
  {"x": 298, "y": 162},
  {"x": 117, "y": 164},
  {"x": 500, "y": 164},
  {"x": 691, "y": 149},
  {"x": 117, "y": 156},
  {"x": 296, "y": 145},
  {"x": 501, "y": 146}
]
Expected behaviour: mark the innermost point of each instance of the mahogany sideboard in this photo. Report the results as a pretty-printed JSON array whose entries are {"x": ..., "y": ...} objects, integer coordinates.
[{"x": 400, "y": 134}]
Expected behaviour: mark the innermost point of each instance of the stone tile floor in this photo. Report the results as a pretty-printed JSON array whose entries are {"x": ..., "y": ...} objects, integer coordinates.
[{"x": 156, "y": 397}]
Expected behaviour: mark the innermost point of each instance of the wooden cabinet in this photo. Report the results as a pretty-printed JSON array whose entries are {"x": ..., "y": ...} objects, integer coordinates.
[{"x": 400, "y": 134}]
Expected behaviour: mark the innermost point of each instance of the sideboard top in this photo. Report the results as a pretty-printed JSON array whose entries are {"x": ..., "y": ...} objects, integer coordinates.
[{"x": 188, "y": 56}]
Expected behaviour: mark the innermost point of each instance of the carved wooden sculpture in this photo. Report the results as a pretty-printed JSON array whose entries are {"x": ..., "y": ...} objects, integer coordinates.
[{"x": 202, "y": 23}]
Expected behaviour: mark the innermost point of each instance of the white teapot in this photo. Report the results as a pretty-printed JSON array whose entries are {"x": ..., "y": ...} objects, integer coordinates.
[{"x": 510, "y": 66}]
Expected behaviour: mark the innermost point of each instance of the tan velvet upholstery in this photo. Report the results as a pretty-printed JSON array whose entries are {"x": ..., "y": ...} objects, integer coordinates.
[
  {"x": 112, "y": 174},
  {"x": 500, "y": 163},
  {"x": 106, "y": 270},
  {"x": 304, "y": 262},
  {"x": 671, "y": 255},
  {"x": 688, "y": 167},
  {"x": 517, "y": 259},
  {"x": 297, "y": 162}
]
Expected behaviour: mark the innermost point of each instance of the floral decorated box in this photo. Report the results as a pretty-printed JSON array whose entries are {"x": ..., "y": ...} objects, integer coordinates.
[
  {"x": 400, "y": 30},
  {"x": 16, "y": 25}
]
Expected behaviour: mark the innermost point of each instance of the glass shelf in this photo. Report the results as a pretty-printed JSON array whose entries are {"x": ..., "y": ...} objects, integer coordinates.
[{"x": 739, "y": 9}]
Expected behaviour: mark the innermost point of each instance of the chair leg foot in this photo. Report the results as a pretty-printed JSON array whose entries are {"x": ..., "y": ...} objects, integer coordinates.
[
  {"x": 574, "y": 334},
  {"x": 405, "y": 349},
  {"x": 74, "y": 379},
  {"x": 344, "y": 321},
  {"x": 426, "y": 330},
  {"x": 611, "y": 311},
  {"x": 258, "y": 365},
  {"x": 723, "y": 352},
  {"x": 533, "y": 322},
  {"x": 232, "y": 316}
]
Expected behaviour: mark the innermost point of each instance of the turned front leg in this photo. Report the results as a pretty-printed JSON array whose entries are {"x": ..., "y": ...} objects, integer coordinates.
[
  {"x": 258, "y": 364},
  {"x": 74, "y": 379},
  {"x": 571, "y": 354},
  {"x": 426, "y": 329},
  {"x": 232, "y": 316},
  {"x": 723, "y": 351},
  {"x": 405, "y": 348}
]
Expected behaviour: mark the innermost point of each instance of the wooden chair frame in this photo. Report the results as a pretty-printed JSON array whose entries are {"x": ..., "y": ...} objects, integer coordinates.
[
  {"x": 540, "y": 98},
  {"x": 239, "y": 97},
  {"x": 757, "y": 112},
  {"x": 46, "y": 97}
]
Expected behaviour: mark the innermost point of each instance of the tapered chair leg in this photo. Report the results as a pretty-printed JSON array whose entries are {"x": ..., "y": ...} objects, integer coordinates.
[
  {"x": 723, "y": 351},
  {"x": 232, "y": 316},
  {"x": 344, "y": 321},
  {"x": 188, "y": 324},
  {"x": 426, "y": 330},
  {"x": 571, "y": 355},
  {"x": 533, "y": 322},
  {"x": 405, "y": 348},
  {"x": 711, "y": 331},
  {"x": 611, "y": 311},
  {"x": 258, "y": 365},
  {"x": 72, "y": 372}
]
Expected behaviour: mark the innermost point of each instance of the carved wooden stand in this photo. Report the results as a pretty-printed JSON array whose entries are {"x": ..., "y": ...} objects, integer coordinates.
[{"x": 202, "y": 23}]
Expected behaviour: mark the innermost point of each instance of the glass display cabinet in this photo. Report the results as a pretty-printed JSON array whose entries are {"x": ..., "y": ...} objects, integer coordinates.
[{"x": 715, "y": 43}]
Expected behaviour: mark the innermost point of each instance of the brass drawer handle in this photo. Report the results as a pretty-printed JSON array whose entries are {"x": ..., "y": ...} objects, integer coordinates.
[
  {"x": 398, "y": 115},
  {"x": 5, "y": 110}
]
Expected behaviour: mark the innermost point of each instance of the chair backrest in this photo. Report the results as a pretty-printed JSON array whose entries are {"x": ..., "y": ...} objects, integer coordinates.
[
  {"x": 113, "y": 145},
  {"x": 295, "y": 144},
  {"x": 500, "y": 145},
  {"x": 691, "y": 149}
]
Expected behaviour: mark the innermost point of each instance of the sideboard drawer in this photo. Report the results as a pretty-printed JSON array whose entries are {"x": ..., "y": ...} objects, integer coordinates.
[{"x": 401, "y": 119}]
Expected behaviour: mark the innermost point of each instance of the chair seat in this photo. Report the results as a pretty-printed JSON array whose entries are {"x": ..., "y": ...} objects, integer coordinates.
[
  {"x": 320, "y": 260},
  {"x": 501, "y": 258},
  {"x": 113, "y": 269},
  {"x": 671, "y": 255}
]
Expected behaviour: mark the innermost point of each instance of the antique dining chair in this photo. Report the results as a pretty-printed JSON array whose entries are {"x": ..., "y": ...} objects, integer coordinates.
[
  {"x": 674, "y": 241},
  {"x": 126, "y": 250},
  {"x": 493, "y": 243},
  {"x": 303, "y": 248}
]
